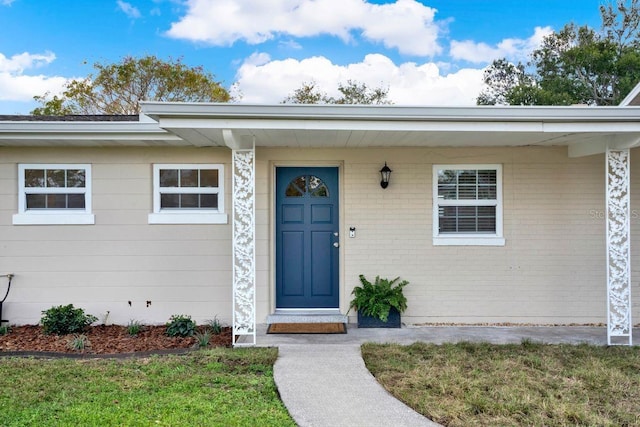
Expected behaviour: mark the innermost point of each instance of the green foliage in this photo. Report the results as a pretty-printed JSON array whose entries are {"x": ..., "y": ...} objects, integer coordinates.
[
  {"x": 198, "y": 389},
  {"x": 526, "y": 384},
  {"x": 4, "y": 329},
  {"x": 215, "y": 326},
  {"x": 79, "y": 342},
  {"x": 576, "y": 65},
  {"x": 203, "y": 338},
  {"x": 351, "y": 93},
  {"x": 67, "y": 319},
  {"x": 181, "y": 326},
  {"x": 134, "y": 327},
  {"x": 376, "y": 299},
  {"x": 118, "y": 88}
]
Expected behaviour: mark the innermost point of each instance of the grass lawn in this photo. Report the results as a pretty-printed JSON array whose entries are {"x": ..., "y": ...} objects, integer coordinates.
[
  {"x": 470, "y": 384},
  {"x": 212, "y": 387}
]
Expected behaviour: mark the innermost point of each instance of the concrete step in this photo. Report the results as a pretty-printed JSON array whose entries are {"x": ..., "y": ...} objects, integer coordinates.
[{"x": 307, "y": 318}]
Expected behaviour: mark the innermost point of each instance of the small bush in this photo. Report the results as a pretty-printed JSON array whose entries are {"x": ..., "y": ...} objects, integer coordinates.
[
  {"x": 79, "y": 342},
  {"x": 4, "y": 329},
  {"x": 181, "y": 326},
  {"x": 134, "y": 327},
  {"x": 67, "y": 319}
]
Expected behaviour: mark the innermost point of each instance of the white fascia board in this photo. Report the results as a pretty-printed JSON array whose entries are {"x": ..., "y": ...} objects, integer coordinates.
[
  {"x": 163, "y": 110},
  {"x": 79, "y": 127},
  {"x": 83, "y": 131}
]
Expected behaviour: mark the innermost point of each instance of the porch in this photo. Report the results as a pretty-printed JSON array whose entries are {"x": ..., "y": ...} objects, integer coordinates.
[{"x": 584, "y": 131}]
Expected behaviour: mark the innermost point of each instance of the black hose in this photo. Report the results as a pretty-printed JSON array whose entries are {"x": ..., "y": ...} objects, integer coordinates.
[{"x": 10, "y": 276}]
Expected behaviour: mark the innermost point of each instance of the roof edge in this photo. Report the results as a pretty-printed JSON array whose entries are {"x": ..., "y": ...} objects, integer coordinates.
[{"x": 158, "y": 110}]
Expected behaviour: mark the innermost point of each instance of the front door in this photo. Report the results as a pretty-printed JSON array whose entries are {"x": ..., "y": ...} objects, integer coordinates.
[{"x": 307, "y": 237}]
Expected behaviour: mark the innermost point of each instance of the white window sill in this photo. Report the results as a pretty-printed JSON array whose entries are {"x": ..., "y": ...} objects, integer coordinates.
[
  {"x": 468, "y": 241},
  {"x": 188, "y": 218},
  {"x": 47, "y": 218}
]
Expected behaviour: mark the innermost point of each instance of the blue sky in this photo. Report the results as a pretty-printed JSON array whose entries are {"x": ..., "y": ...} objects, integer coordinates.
[{"x": 428, "y": 52}]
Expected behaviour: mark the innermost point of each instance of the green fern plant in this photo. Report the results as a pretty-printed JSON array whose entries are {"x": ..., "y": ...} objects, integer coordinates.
[{"x": 376, "y": 299}]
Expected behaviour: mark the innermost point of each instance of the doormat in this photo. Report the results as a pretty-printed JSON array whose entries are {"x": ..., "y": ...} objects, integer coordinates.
[{"x": 307, "y": 328}]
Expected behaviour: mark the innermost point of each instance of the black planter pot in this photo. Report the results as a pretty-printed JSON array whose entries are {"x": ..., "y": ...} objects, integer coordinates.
[{"x": 393, "y": 321}]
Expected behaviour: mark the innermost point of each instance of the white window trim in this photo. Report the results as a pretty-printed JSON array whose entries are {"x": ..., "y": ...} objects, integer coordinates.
[
  {"x": 468, "y": 239},
  {"x": 54, "y": 216},
  {"x": 188, "y": 216}
]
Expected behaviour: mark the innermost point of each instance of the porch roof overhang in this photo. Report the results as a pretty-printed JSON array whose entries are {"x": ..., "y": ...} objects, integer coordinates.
[
  {"x": 585, "y": 130},
  {"x": 59, "y": 133}
]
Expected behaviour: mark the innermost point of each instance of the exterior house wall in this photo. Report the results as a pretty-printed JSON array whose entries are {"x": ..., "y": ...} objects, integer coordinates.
[
  {"x": 551, "y": 269},
  {"x": 180, "y": 269}
]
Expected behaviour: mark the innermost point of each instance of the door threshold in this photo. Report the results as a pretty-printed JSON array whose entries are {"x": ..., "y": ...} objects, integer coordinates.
[
  {"x": 324, "y": 315},
  {"x": 307, "y": 311}
]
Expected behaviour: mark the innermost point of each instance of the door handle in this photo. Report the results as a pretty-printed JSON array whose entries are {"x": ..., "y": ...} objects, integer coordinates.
[{"x": 336, "y": 244}]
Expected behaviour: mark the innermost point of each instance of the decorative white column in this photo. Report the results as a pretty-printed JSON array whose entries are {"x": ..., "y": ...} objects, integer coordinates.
[
  {"x": 619, "y": 324},
  {"x": 244, "y": 270}
]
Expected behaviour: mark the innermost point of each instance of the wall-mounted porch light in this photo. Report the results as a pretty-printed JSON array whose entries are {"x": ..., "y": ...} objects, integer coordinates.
[{"x": 385, "y": 174}]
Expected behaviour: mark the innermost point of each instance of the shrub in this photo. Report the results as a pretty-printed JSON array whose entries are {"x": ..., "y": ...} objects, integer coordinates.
[
  {"x": 67, "y": 319},
  {"x": 4, "y": 329},
  {"x": 181, "y": 326}
]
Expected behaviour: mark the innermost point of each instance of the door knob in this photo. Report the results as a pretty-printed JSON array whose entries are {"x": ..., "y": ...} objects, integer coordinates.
[{"x": 336, "y": 244}]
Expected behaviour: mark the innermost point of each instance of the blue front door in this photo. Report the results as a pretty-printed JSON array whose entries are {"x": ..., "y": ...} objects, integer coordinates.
[{"x": 307, "y": 237}]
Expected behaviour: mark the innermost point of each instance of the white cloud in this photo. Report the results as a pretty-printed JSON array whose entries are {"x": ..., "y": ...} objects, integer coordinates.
[
  {"x": 24, "y": 88},
  {"x": 20, "y": 62},
  {"x": 16, "y": 86},
  {"x": 406, "y": 25},
  {"x": 6, "y": 2},
  {"x": 131, "y": 11},
  {"x": 289, "y": 44},
  {"x": 409, "y": 83},
  {"x": 512, "y": 49}
]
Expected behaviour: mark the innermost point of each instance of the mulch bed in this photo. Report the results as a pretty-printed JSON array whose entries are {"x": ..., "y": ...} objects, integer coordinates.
[{"x": 104, "y": 340}]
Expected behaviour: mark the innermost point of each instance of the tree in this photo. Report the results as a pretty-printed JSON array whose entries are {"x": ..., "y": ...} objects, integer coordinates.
[
  {"x": 576, "y": 65},
  {"x": 351, "y": 93},
  {"x": 118, "y": 88}
]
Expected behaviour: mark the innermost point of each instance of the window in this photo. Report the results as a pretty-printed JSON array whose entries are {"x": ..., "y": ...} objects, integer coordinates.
[
  {"x": 467, "y": 205},
  {"x": 188, "y": 194},
  {"x": 54, "y": 194},
  {"x": 307, "y": 185}
]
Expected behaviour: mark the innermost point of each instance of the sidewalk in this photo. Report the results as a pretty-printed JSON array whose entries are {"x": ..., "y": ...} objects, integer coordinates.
[{"x": 323, "y": 381}]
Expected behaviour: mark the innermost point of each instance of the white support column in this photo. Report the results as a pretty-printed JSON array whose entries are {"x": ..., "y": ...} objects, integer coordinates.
[
  {"x": 619, "y": 324},
  {"x": 244, "y": 253}
]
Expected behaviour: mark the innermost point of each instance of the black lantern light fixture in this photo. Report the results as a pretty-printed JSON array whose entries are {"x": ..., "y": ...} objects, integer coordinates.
[{"x": 385, "y": 174}]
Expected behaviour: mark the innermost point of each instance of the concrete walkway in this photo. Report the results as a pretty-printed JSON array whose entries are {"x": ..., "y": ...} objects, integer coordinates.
[
  {"x": 330, "y": 386},
  {"x": 323, "y": 381}
]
